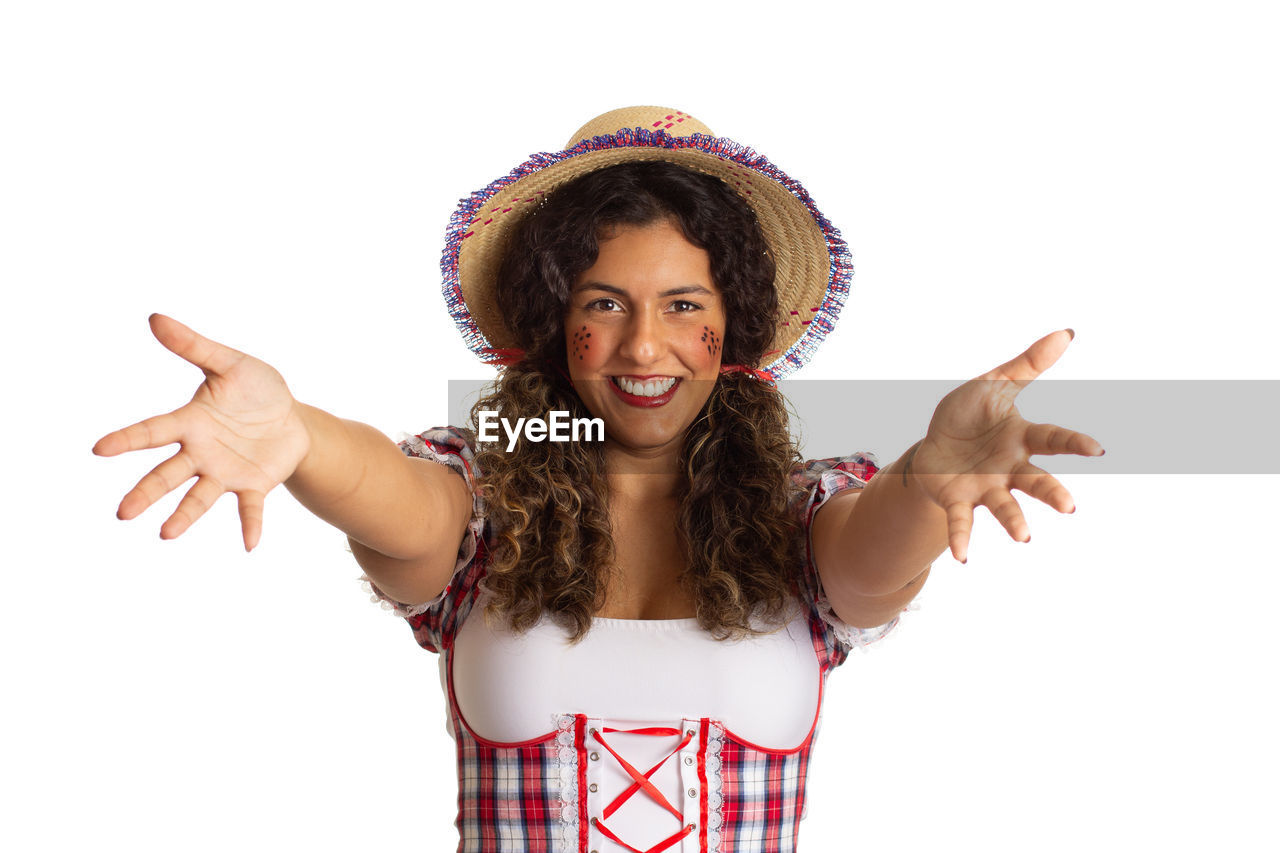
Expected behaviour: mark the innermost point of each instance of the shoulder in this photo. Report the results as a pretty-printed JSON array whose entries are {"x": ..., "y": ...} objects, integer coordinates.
[
  {"x": 448, "y": 445},
  {"x": 818, "y": 480}
]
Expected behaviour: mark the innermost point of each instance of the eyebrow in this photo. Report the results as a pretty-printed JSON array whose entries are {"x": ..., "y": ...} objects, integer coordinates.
[{"x": 684, "y": 290}]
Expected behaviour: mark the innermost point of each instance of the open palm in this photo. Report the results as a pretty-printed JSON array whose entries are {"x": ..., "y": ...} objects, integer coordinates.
[
  {"x": 978, "y": 448},
  {"x": 240, "y": 433}
]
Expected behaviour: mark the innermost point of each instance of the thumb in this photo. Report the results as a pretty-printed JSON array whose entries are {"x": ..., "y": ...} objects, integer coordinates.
[{"x": 210, "y": 356}]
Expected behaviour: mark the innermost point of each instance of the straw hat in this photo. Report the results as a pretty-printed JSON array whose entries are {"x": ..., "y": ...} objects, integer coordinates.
[{"x": 813, "y": 264}]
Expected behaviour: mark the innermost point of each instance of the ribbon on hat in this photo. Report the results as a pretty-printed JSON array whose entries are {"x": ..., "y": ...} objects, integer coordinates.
[
  {"x": 502, "y": 357},
  {"x": 763, "y": 375}
]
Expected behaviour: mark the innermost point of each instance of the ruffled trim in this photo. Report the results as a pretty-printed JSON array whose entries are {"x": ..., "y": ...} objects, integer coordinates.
[
  {"x": 397, "y": 608},
  {"x": 863, "y": 639},
  {"x": 715, "y": 786},
  {"x": 567, "y": 759},
  {"x": 820, "y": 324}
]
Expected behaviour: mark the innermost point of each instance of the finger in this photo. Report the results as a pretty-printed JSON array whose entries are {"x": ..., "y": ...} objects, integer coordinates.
[
  {"x": 153, "y": 432},
  {"x": 1008, "y": 513},
  {"x": 251, "y": 506},
  {"x": 161, "y": 480},
  {"x": 959, "y": 526},
  {"x": 1036, "y": 359},
  {"x": 194, "y": 504},
  {"x": 1043, "y": 486},
  {"x": 184, "y": 342},
  {"x": 1048, "y": 440}
]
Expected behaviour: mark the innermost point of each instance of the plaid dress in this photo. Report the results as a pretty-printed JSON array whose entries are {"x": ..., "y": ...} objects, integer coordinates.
[{"x": 536, "y": 796}]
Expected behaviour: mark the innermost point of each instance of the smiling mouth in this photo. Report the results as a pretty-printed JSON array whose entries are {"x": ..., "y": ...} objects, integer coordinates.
[
  {"x": 649, "y": 388},
  {"x": 647, "y": 394}
]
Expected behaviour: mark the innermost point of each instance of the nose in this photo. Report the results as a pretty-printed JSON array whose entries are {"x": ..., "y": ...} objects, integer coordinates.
[{"x": 645, "y": 340}]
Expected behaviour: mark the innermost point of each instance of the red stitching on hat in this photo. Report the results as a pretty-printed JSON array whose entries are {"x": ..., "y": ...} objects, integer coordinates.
[
  {"x": 656, "y": 123},
  {"x": 805, "y": 322},
  {"x": 797, "y": 313},
  {"x": 469, "y": 233},
  {"x": 487, "y": 221},
  {"x": 505, "y": 209}
]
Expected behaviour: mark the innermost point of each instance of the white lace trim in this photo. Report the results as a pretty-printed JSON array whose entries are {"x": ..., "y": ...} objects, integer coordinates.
[
  {"x": 380, "y": 598},
  {"x": 863, "y": 639},
  {"x": 567, "y": 758},
  {"x": 715, "y": 786}
]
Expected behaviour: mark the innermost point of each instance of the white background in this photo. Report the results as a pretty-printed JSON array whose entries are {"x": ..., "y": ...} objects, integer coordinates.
[{"x": 279, "y": 176}]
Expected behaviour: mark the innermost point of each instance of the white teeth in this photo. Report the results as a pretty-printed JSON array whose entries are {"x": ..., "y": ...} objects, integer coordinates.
[{"x": 652, "y": 388}]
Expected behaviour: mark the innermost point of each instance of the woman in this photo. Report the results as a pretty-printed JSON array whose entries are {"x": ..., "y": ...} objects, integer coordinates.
[{"x": 661, "y": 606}]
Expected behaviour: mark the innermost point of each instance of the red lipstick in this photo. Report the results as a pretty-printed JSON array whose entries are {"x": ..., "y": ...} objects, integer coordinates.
[{"x": 644, "y": 402}]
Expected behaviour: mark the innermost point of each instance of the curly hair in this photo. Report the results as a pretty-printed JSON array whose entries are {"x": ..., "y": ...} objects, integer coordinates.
[{"x": 552, "y": 550}]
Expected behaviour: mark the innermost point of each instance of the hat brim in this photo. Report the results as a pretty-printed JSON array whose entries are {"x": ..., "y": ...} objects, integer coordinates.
[{"x": 814, "y": 267}]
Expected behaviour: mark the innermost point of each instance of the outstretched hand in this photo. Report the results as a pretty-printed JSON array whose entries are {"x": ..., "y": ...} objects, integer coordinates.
[
  {"x": 241, "y": 432},
  {"x": 978, "y": 448}
]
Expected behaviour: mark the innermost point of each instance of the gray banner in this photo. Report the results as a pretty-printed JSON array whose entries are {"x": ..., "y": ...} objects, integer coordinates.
[{"x": 1179, "y": 426}]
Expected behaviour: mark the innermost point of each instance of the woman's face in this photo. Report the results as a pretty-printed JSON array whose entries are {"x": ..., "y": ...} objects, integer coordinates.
[{"x": 644, "y": 333}]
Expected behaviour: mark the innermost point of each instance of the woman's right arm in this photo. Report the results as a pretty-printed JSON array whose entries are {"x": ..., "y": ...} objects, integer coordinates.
[
  {"x": 404, "y": 517},
  {"x": 243, "y": 432}
]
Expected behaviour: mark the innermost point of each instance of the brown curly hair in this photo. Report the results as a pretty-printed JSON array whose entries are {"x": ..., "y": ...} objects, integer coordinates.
[{"x": 552, "y": 545}]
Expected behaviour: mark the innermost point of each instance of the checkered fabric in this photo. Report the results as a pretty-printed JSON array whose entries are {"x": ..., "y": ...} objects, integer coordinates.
[{"x": 524, "y": 798}]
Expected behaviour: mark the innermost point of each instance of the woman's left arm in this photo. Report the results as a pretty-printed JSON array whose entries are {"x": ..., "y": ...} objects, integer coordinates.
[{"x": 873, "y": 548}]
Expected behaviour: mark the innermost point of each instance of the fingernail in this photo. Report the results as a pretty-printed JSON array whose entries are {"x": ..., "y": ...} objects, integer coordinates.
[
  {"x": 1072, "y": 333},
  {"x": 1071, "y": 511}
]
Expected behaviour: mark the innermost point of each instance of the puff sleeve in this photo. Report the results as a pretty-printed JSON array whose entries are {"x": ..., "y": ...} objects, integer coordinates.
[
  {"x": 818, "y": 481},
  {"x": 436, "y": 622}
]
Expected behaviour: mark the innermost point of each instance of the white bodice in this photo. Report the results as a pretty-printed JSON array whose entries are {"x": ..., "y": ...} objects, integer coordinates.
[{"x": 512, "y": 689}]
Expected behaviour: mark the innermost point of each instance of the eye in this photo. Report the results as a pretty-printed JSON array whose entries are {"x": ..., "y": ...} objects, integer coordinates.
[
  {"x": 681, "y": 306},
  {"x": 604, "y": 303}
]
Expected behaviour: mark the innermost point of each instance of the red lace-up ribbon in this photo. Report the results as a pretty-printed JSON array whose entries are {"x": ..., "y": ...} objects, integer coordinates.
[{"x": 642, "y": 783}]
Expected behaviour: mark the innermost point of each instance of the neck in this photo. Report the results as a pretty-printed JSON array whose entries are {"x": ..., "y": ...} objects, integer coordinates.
[{"x": 641, "y": 475}]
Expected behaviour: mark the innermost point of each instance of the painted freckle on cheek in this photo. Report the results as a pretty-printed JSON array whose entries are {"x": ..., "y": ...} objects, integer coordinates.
[
  {"x": 711, "y": 339},
  {"x": 579, "y": 343}
]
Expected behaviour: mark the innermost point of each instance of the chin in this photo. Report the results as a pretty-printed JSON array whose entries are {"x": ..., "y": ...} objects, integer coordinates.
[{"x": 654, "y": 436}]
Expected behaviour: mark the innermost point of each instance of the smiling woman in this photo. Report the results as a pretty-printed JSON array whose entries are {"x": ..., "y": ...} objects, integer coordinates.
[
  {"x": 657, "y": 266},
  {"x": 661, "y": 609}
]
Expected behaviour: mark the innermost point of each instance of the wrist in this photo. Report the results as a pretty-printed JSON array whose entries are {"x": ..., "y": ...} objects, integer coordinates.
[
  {"x": 309, "y": 423},
  {"x": 908, "y": 462}
]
